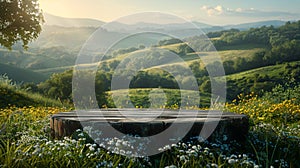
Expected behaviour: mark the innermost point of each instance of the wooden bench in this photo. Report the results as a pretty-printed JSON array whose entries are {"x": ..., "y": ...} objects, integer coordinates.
[{"x": 233, "y": 126}]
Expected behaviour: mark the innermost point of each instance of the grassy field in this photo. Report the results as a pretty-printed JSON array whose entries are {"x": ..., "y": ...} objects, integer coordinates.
[
  {"x": 273, "y": 140},
  {"x": 269, "y": 96},
  {"x": 13, "y": 95},
  {"x": 273, "y": 71},
  {"x": 210, "y": 57},
  {"x": 242, "y": 47},
  {"x": 49, "y": 71},
  {"x": 163, "y": 98},
  {"x": 172, "y": 47}
]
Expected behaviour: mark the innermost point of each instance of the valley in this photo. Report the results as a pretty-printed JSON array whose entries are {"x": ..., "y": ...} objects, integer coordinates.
[{"x": 256, "y": 64}]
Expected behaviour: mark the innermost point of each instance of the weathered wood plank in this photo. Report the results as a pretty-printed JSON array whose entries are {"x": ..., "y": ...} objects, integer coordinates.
[{"x": 143, "y": 123}]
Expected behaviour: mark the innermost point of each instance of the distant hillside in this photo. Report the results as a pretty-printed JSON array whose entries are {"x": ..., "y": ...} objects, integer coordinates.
[
  {"x": 53, "y": 20},
  {"x": 245, "y": 26},
  {"x": 47, "y": 55},
  {"x": 117, "y": 26},
  {"x": 71, "y": 22},
  {"x": 254, "y": 61},
  {"x": 38, "y": 58},
  {"x": 73, "y": 32},
  {"x": 21, "y": 75},
  {"x": 71, "y": 38},
  {"x": 187, "y": 26},
  {"x": 74, "y": 38}
]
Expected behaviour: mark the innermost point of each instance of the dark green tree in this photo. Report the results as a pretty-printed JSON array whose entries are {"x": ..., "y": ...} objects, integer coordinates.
[
  {"x": 59, "y": 86},
  {"x": 20, "y": 20}
]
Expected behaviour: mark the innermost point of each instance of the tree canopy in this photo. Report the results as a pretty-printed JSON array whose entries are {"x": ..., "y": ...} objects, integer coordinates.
[{"x": 20, "y": 20}]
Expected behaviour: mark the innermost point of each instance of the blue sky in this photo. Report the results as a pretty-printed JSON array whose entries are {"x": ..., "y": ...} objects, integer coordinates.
[{"x": 217, "y": 12}]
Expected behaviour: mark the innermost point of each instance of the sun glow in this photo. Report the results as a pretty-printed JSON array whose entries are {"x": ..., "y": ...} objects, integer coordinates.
[{"x": 95, "y": 9}]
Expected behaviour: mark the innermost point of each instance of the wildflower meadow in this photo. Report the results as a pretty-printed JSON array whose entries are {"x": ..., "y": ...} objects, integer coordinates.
[{"x": 273, "y": 140}]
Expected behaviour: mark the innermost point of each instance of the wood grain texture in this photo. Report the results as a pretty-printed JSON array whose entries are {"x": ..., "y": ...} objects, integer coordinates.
[{"x": 148, "y": 122}]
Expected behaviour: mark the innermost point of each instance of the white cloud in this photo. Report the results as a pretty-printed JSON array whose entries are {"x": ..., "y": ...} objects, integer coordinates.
[
  {"x": 247, "y": 13},
  {"x": 239, "y": 10},
  {"x": 218, "y": 10}
]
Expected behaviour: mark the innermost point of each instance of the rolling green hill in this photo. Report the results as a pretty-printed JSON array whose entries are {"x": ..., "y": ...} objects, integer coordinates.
[
  {"x": 49, "y": 71},
  {"x": 229, "y": 54},
  {"x": 254, "y": 60},
  {"x": 273, "y": 71},
  {"x": 21, "y": 75},
  {"x": 262, "y": 79},
  {"x": 37, "y": 58},
  {"x": 12, "y": 95}
]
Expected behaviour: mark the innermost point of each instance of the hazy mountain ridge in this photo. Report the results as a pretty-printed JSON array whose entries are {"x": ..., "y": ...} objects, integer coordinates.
[
  {"x": 52, "y": 20},
  {"x": 72, "y": 32},
  {"x": 244, "y": 26},
  {"x": 71, "y": 22}
]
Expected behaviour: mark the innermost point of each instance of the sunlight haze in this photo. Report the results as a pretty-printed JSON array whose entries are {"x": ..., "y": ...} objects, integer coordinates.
[{"x": 215, "y": 12}]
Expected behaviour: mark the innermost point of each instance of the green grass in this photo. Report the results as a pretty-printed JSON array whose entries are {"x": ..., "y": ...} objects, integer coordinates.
[
  {"x": 242, "y": 47},
  {"x": 172, "y": 47},
  {"x": 273, "y": 71},
  {"x": 11, "y": 94},
  {"x": 261, "y": 79},
  {"x": 273, "y": 141},
  {"x": 210, "y": 57},
  {"x": 49, "y": 71},
  {"x": 165, "y": 97},
  {"x": 243, "y": 53}
]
